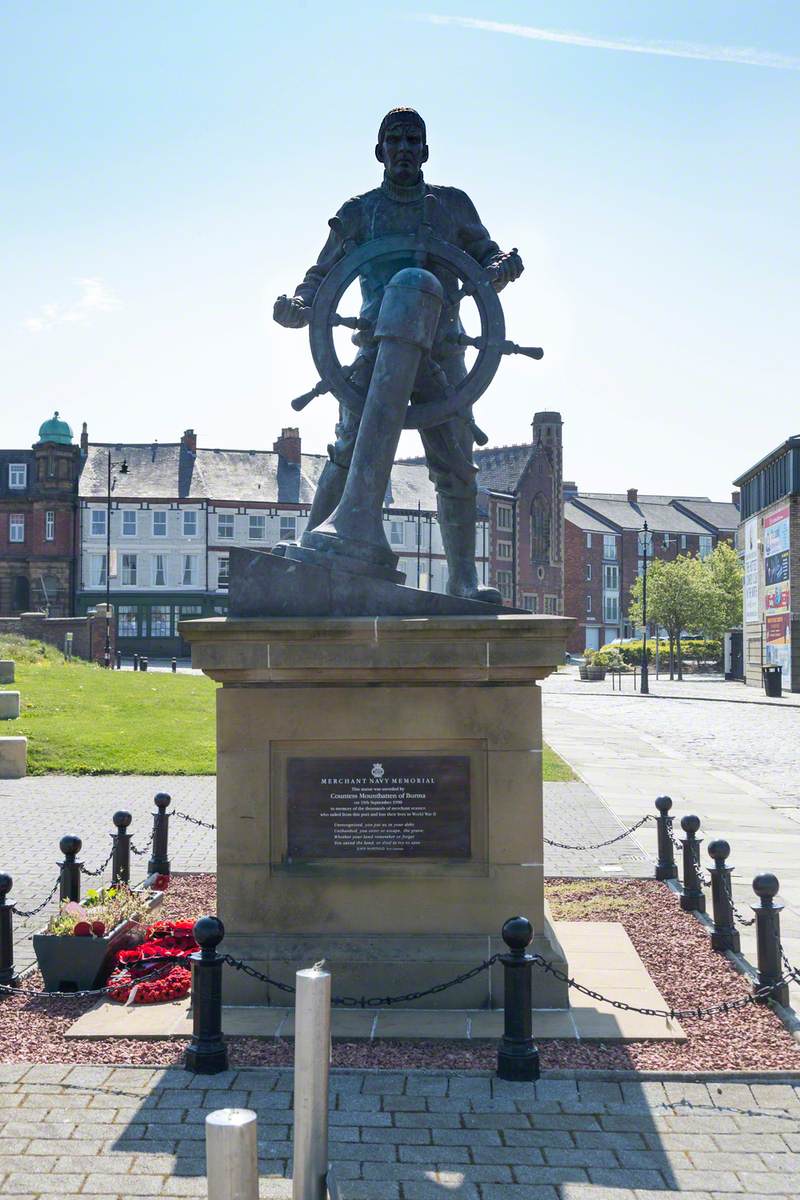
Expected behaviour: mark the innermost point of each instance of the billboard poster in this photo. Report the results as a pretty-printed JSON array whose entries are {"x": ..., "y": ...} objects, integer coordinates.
[
  {"x": 777, "y": 600},
  {"x": 751, "y": 611}
]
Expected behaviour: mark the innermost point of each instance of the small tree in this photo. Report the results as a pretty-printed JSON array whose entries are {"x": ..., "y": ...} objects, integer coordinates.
[
  {"x": 676, "y": 599},
  {"x": 723, "y": 607}
]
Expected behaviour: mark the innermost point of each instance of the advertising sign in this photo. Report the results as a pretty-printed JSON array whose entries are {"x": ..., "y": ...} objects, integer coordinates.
[
  {"x": 751, "y": 613},
  {"x": 776, "y": 598},
  {"x": 776, "y": 532},
  {"x": 777, "y": 606},
  {"x": 776, "y": 568}
]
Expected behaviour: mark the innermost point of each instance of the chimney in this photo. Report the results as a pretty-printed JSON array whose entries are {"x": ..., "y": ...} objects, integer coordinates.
[
  {"x": 85, "y": 439},
  {"x": 570, "y": 489},
  {"x": 633, "y": 495},
  {"x": 736, "y": 498},
  {"x": 189, "y": 440},
  {"x": 288, "y": 445}
]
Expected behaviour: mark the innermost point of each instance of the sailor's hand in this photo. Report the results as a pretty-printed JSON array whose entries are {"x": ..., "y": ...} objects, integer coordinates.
[
  {"x": 291, "y": 311},
  {"x": 507, "y": 268}
]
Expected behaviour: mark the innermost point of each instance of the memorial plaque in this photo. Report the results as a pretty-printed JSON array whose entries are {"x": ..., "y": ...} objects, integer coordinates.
[{"x": 378, "y": 808}]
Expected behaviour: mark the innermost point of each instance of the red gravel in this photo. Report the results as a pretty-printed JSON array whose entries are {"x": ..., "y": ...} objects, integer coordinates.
[{"x": 673, "y": 946}]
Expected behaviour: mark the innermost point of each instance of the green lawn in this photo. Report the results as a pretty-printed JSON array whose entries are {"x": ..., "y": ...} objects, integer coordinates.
[{"x": 82, "y": 720}]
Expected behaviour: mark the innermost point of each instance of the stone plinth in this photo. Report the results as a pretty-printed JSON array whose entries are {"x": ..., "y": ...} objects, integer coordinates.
[
  {"x": 9, "y": 706},
  {"x": 429, "y": 726},
  {"x": 13, "y": 757},
  {"x": 6, "y": 670}
]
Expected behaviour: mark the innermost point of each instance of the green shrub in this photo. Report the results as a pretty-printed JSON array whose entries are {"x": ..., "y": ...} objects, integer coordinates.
[
  {"x": 29, "y": 650},
  {"x": 692, "y": 650}
]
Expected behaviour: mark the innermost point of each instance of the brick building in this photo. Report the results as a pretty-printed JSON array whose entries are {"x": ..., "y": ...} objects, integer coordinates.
[
  {"x": 602, "y": 556},
  {"x": 37, "y": 523}
]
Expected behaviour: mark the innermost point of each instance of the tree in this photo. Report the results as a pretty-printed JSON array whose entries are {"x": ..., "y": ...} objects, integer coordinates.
[
  {"x": 723, "y": 610},
  {"x": 677, "y": 597}
]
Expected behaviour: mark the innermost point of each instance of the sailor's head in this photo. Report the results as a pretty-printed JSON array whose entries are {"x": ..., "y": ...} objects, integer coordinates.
[{"x": 402, "y": 145}]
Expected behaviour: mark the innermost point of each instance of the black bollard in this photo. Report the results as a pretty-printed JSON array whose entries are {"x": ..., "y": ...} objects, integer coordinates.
[
  {"x": 725, "y": 935},
  {"x": 207, "y": 1053},
  {"x": 136, "y": 662},
  {"x": 7, "y": 975},
  {"x": 666, "y": 867},
  {"x": 118, "y": 656},
  {"x": 70, "y": 878},
  {"x": 121, "y": 859},
  {"x": 768, "y": 938},
  {"x": 174, "y": 665},
  {"x": 159, "y": 862},
  {"x": 143, "y": 663},
  {"x": 693, "y": 898},
  {"x": 517, "y": 1057}
]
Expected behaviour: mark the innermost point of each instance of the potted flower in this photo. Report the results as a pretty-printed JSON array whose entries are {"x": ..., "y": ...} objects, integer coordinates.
[
  {"x": 596, "y": 666},
  {"x": 77, "y": 948}
]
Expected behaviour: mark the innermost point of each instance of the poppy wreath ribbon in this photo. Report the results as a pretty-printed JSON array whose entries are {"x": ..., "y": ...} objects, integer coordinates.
[{"x": 134, "y": 978}]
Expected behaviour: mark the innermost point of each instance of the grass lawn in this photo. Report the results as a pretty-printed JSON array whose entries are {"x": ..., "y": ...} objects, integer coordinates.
[{"x": 82, "y": 720}]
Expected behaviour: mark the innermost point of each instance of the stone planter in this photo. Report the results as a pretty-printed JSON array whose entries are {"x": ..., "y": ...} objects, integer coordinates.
[
  {"x": 75, "y": 964},
  {"x": 583, "y": 672},
  {"x": 593, "y": 674}
]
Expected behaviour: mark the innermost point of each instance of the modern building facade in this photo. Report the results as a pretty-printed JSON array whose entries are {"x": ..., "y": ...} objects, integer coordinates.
[
  {"x": 769, "y": 541},
  {"x": 603, "y": 556}
]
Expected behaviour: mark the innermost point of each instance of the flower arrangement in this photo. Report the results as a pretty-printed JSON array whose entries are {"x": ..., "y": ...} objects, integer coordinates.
[
  {"x": 99, "y": 912},
  {"x": 136, "y": 980}
]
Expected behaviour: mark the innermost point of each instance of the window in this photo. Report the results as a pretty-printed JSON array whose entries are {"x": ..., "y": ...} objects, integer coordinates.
[
  {"x": 588, "y": 604},
  {"x": 129, "y": 570},
  {"x": 588, "y": 541},
  {"x": 160, "y": 620},
  {"x": 609, "y": 545},
  {"x": 530, "y": 602},
  {"x": 129, "y": 522},
  {"x": 189, "y": 522},
  {"x": 683, "y": 541},
  {"x": 224, "y": 525},
  {"x": 504, "y": 516},
  {"x": 49, "y": 526},
  {"x": 504, "y": 549},
  {"x": 159, "y": 523},
  {"x": 16, "y": 527},
  {"x": 258, "y": 527},
  {"x": 159, "y": 571},
  {"x": 188, "y": 612},
  {"x": 189, "y": 576},
  {"x": 588, "y": 571},
  {"x": 288, "y": 529},
  {"x": 611, "y": 577},
  {"x": 17, "y": 475},
  {"x": 706, "y": 544},
  {"x": 540, "y": 529},
  {"x": 551, "y": 604},
  {"x": 397, "y": 535},
  {"x": 98, "y": 522},
  {"x": 127, "y": 621},
  {"x": 504, "y": 584},
  {"x": 97, "y": 570},
  {"x": 223, "y": 570},
  {"x": 610, "y": 606}
]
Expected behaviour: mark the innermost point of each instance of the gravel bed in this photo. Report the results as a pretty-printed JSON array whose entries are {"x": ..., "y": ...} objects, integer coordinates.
[{"x": 673, "y": 946}]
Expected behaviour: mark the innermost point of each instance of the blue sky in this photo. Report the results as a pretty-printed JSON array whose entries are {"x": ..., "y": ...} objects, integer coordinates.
[{"x": 169, "y": 168}]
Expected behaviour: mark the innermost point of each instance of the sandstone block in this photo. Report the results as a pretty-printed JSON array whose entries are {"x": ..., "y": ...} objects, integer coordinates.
[
  {"x": 13, "y": 757},
  {"x": 6, "y": 670},
  {"x": 9, "y": 706}
]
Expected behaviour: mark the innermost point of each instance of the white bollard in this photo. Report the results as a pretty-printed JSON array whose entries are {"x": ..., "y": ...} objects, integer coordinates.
[
  {"x": 312, "y": 1054},
  {"x": 232, "y": 1154}
]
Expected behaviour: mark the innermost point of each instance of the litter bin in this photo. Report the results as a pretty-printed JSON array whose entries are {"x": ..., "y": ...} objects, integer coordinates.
[{"x": 772, "y": 680}]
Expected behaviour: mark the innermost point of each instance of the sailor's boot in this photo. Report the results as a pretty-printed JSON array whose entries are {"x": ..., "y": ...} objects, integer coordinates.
[
  {"x": 457, "y": 516},
  {"x": 326, "y": 497}
]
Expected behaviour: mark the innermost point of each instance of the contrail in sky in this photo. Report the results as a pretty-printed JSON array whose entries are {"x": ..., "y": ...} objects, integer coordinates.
[{"x": 725, "y": 54}]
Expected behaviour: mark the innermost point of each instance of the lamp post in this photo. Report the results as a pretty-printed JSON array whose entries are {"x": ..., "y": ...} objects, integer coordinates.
[
  {"x": 123, "y": 470},
  {"x": 645, "y": 688}
]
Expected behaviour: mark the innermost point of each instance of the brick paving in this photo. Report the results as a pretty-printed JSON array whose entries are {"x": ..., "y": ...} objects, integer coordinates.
[{"x": 116, "y": 1132}]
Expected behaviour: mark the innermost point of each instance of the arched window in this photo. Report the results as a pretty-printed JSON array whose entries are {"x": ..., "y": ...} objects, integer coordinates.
[{"x": 540, "y": 529}]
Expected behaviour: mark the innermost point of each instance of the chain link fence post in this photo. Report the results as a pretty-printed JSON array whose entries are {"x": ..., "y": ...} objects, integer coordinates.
[
  {"x": 768, "y": 938},
  {"x": 7, "y": 974},
  {"x": 692, "y": 899},
  {"x": 159, "y": 861},
  {"x": 725, "y": 935},
  {"x": 121, "y": 858},
  {"x": 517, "y": 1056},
  {"x": 69, "y": 886},
  {"x": 666, "y": 867},
  {"x": 207, "y": 1053}
]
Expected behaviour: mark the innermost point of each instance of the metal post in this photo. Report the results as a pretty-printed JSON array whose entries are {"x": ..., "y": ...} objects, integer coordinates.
[
  {"x": 207, "y": 1053},
  {"x": 135, "y": 661},
  {"x": 312, "y": 1052},
  {"x": 665, "y": 867},
  {"x": 118, "y": 654},
  {"x": 7, "y": 973},
  {"x": 644, "y": 690},
  {"x": 143, "y": 663},
  {"x": 725, "y": 935},
  {"x": 107, "y": 648},
  {"x": 768, "y": 937},
  {"x": 174, "y": 665},
  {"x": 693, "y": 898},
  {"x": 70, "y": 869},
  {"x": 518, "y": 1057},
  {"x": 121, "y": 860},
  {"x": 232, "y": 1154},
  {"x": 159, "y": 862}
]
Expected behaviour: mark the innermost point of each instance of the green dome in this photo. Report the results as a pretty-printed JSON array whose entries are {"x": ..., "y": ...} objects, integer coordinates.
[{"x": 55, "y": 431}]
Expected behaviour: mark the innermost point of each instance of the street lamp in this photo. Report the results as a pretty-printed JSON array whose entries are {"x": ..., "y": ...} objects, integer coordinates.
[
  {"x": 123, "y": 470},
  {"x": 645, "y": 688}
]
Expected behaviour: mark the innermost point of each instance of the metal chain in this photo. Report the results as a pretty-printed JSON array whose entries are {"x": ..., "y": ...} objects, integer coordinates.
[
  {"x": 192, "y": 820},
  {"x": 145, "y": 847},
  {"x": 32, "y": 994},
  {"x": 745, "y": 921},
  {"x": 19, "y": 912},
  {"x": 101, "y": 868},
  {"x": 678, "y": 844},
  {"x": 608, "y": 842}
]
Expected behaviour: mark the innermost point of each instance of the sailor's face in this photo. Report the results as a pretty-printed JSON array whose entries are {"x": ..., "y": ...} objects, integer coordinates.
[{"x": 403, "y": 152}]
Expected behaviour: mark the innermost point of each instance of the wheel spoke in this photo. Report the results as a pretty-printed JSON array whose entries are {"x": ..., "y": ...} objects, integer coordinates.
[{"x": 351, "y": 322}]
